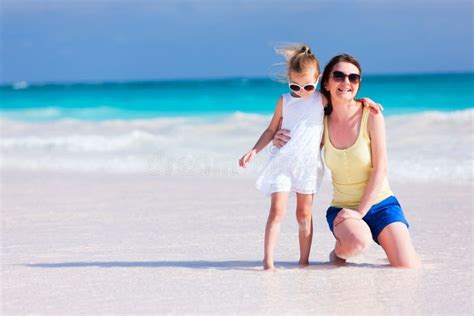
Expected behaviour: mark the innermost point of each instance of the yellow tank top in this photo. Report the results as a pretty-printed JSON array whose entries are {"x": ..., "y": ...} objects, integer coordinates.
[{"x": 351, "y": 168}]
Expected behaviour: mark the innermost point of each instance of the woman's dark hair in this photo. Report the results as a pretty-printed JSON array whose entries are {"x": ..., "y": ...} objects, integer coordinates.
[{"x": 346, "y": 58}]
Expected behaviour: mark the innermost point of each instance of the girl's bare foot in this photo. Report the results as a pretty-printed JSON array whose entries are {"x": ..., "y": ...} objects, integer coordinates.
[
  {"x": 268, "y": 265},
  {"x": 333, "y": 258},
  {"x": 303, "y": 263}
]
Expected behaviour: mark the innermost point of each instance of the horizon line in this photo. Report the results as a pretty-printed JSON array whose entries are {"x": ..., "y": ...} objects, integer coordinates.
[{"x": 216, "y": 78}]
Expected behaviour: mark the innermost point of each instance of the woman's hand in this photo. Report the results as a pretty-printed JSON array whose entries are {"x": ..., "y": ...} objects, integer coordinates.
[
  {"x": 375, "y": 108},
  {"x": 281, "y": 137},
  {"x": 247, "y": 157},
  {"x": 346, "y": 213}
]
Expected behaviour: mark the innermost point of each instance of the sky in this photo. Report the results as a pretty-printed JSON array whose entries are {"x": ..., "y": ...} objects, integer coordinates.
[{"x": 105, "y": 40}]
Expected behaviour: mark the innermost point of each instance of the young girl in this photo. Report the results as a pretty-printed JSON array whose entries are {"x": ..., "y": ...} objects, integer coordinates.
[{"x": 296, "y": 167}]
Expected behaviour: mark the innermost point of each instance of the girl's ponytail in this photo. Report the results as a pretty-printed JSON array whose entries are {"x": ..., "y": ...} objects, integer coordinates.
[{"x": 299, "y": 58}]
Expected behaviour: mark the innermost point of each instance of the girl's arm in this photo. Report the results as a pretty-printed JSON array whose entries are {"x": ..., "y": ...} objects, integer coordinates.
[
  {"x": 266, "y": 136},
  {"x": 324, "y": 100},
  {"x": 322, "y": 140},
  {"x": 376, "y": 127}
]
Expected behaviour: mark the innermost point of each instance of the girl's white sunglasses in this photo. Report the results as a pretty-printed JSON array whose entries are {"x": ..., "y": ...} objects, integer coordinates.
[{"x": 307, "y": 87}]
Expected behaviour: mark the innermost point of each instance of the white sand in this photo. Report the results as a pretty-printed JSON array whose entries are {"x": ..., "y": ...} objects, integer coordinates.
[
  {"x": 102, "y": 243},
  {"x": 153, "y": 216}
]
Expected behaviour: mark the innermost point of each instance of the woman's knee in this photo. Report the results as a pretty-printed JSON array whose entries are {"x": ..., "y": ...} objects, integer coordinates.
[
  {"x": 352, "y": 243},
  {"x": 358, "y": 241}
]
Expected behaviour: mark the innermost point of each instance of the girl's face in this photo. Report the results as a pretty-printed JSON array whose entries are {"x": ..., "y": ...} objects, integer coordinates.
[
  {"x": 307, "y": 79},
  {"x": 344, "y": 81}
]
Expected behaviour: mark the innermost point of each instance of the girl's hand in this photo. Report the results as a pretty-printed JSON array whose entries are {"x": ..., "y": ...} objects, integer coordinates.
[
  {"x": 375, "y": 108},
  {"x": 346, "y": 213},
  {"x": 247, "y": 157},
  {"x": 281, "y": 138}
]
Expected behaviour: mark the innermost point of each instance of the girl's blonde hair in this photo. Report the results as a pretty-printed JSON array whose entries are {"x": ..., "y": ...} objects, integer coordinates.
[{"x": 299, "y": 58}]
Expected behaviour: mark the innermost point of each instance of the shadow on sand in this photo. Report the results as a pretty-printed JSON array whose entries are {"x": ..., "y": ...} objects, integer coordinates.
[{"x": 200, "y": 264}]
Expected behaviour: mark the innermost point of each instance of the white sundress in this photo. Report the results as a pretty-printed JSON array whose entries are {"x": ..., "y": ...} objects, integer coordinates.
[{"x": 297, "y": 166}]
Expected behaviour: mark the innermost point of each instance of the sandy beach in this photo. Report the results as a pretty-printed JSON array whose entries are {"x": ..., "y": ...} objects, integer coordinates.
[
  {"x": 121, "y": 128},
  {"x": 95, "y": 241}
]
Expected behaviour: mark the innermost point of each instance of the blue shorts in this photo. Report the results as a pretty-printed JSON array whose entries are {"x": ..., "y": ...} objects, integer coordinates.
[{"x": 378, "y": 217}]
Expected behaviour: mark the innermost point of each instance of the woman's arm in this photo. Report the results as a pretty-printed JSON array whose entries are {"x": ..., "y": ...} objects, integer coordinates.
[
  {"x": 375, "y": 107},
  {"x": 283, "y": 136},
  {"x": 266, "y": 136},
  {"x": 376, "y": 128}
]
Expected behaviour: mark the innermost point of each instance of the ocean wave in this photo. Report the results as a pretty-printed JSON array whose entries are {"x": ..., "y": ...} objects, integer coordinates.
[
  {"x": 431, "y": 145},
  {"x": 51, "y": 113},
  {"x": 84, "y": 143}
]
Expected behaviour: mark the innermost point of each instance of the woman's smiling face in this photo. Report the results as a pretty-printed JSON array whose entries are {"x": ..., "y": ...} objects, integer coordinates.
[{"x": 345, "y": 89}]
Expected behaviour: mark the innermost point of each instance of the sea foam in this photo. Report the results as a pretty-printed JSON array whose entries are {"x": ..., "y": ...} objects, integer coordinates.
[{"x": 430, "y": 145}]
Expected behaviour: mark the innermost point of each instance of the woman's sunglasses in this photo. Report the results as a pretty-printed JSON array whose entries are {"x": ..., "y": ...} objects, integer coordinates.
[
  {"x": 308, "y": 87},
  {"x": 339, "y": 76}
]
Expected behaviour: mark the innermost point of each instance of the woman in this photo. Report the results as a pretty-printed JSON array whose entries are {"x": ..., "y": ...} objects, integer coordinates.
[{"x": 363, "y": 205}]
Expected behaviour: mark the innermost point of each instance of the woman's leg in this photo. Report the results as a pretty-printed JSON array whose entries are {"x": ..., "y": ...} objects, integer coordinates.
[
  {"x": 396, "y": 242},
  {"x": 352, "y": 237},
  {"x": 304, "y": 204},
  {"x": 275, "y": 217}
]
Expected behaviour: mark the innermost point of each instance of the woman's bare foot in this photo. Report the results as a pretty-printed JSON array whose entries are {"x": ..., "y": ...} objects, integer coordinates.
[{"x": 334, "y": 259}]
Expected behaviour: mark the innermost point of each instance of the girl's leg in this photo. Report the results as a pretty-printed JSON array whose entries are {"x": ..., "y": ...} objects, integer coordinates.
[
  {"x": 352, "y": 237},
  {"x": 395, "y": 241},
  {"x": 275, "y": 217},
  {"x": 304, "y": 204}
]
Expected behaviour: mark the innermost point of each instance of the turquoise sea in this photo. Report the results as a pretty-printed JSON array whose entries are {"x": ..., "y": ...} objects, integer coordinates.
[
  {"x": 399, "y": 94},
  {"x": 202, "y": 127}
]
